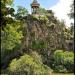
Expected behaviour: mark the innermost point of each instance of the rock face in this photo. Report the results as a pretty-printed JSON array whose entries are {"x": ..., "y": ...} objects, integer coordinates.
[
  {"x": 43, "y": 34},
  {"x": 43, "y": 31}
]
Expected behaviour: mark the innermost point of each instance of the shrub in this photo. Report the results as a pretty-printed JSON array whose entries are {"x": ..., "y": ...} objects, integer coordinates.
[
  {"x": 69, "y": 61},
  {"x": 36, "y": 56},
  {"x": 58, "y": 57},
  {"x": 60, "y": 68},
  {"x": 63, "y": 61},
  {"x": 26, "y": 65}
]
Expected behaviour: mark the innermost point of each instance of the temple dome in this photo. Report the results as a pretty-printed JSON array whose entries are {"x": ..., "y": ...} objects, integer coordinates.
[{"x": 35, "y": 4}]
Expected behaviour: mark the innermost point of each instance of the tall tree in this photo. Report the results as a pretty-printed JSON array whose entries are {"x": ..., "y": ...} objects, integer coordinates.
[
  {"x": 22, "y": 11},
  {"x": 6, "y": 11},
  {"x": 71, "y": 14}
]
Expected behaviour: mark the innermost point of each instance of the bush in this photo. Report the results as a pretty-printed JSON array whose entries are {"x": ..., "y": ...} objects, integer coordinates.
[
  {"x": 60, "y": 68},
  {"x": 26, "y": 65},
  {"x": 58, "y": 57},
  {"x": 36, "y": 56},
  {"x": 63, "y": 61},
  {"x": 69, "y": 61}
]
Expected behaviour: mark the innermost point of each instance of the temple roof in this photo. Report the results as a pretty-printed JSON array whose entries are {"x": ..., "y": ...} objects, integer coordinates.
[{"x": 35, "y": 3}]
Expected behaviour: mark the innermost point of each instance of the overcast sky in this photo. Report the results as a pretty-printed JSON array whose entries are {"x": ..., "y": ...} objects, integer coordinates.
[{"x": 60, "y": 7}]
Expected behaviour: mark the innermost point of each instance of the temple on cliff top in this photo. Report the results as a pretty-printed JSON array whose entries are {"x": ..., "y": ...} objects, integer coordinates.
[{"x": 34, "y": 7}]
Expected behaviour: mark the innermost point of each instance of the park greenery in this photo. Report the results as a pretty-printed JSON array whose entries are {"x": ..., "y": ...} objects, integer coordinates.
[{"x": 35, "y": 45}]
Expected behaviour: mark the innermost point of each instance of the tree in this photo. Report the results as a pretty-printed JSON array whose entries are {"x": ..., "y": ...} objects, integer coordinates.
[
  {"x": 21, "y": 12},
  {"x": 6, "y": 12},
  {"x": 71, "y": 14},
  {"x": 42, "y": 11},
  {"x": 6, "y": 2},
  {"x": 11, "y": 38},
  {"x": 62, "y": 34}
]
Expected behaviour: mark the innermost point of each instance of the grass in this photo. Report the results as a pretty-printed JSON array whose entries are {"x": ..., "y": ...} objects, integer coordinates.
[
  {"x": 53, "y": 74},
  {"x": 5, "y": 72}
]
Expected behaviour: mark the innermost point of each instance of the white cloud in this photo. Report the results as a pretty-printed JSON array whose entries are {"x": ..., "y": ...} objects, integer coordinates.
[{"x": 61, "y": 9}]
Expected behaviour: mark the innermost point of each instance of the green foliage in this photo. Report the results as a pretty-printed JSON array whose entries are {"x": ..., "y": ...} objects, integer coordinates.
[
  {"x": 43, "y": 19},
  {"x": 66, "y": 36},
  {"x": 42, "y": 11},
  {"x": 72, "y": 30},
  {"x": 38, "y": 44},
  {"x": 58, "y": 56},
  {"x": 6, "y": 12},
  {"x": 11, "y": 36},
  {"x": 63, "y": 61},
  {"x": 51, "y": 35},
  {"x": 60, "y": 68},
  {"x": 21, "y": 11},
  {"x": 7, "y": 2},
  {"x": 27, "y": 65},
  {"x": 36, "y": 56},
  {"x": 69, "y": 61},
  {"x": 71, "y": 14}
]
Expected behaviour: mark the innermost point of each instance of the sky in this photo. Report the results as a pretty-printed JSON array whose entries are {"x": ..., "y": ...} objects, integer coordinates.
[
  {"x": 60, "y": 7},
  {"x": 26, "y": 3}
]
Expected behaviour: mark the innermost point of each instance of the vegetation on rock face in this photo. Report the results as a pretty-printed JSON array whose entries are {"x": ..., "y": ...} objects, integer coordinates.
[{"x": 42, "y": 11}]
